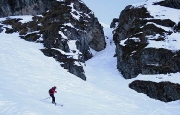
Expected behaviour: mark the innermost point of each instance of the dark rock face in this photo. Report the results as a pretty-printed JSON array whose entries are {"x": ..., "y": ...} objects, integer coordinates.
[
  {"x": 113, "y": 24},
  {"x": 177, "y": 27},
  {"x": 169, "y": 3},
  {"x": 68, "y": 30},
  {"x": 163, "y": 91},
  {"x": 129, "y": 24},
  {"x": 1, "y": 29},
  {"x": 162, "y": 61},
  {"x": 24, "y": 7},
  {"x": 136, "y": 27}
]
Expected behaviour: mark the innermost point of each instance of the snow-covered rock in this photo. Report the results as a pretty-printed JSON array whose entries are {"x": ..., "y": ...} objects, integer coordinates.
[
  {"x": 68, "y": 30},
  {"x": 147, "y": 38},
  {"x": 147, "y": 43}
]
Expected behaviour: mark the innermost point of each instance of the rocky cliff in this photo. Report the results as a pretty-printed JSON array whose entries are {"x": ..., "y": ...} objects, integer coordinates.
[
  {"x": 68, "y": 29},
  {"x": 146, "y": 38},
  {"x": 147, "y": 42},
  {"x": 24, "y": 7}
]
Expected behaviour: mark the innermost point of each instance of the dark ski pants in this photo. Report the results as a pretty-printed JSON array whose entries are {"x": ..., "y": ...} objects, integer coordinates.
[{"x": 53, "y": 98}]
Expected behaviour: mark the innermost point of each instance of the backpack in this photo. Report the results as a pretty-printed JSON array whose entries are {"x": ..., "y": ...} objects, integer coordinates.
[{"x": 50, "y": 90}]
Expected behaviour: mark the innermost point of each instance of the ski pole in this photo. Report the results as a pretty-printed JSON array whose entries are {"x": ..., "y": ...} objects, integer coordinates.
[{"x": 47, "y": 98}]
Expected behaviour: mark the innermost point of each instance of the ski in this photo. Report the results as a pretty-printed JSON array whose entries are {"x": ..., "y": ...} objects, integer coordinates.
[{"x": 56, "y": 104}]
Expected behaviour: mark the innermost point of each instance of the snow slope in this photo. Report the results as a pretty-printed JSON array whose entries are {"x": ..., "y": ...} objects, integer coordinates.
[{"x": 26, "y": 76}]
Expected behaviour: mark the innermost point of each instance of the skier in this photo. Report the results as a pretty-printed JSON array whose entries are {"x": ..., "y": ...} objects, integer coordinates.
[{"x": 51, "y": 93}]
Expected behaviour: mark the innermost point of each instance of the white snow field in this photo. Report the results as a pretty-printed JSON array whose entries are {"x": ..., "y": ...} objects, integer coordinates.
[{"x": 26, "y": 76}]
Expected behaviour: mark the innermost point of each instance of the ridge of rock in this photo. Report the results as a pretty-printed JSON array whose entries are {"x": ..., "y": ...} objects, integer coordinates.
[{"x": 68, "y": 30}]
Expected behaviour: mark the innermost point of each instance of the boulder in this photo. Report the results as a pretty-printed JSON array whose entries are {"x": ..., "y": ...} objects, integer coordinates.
[{"x": 163, "y": 91}]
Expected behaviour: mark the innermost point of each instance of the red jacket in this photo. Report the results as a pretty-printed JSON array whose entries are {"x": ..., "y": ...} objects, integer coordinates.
[{"x": 53, "y": 90}]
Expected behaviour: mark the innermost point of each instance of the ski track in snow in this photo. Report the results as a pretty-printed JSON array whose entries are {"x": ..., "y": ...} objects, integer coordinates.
[{"x": 26, "y": 76}]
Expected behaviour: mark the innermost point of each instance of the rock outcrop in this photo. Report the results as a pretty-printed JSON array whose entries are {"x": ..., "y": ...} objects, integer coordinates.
[
  {"x": 135, "y": 34},
  {"x": 67, "y": 28},
  {"x": 163, "y": 91},
  {"x": 24, "y": 7},
  {"x": 169, "y": 3}
]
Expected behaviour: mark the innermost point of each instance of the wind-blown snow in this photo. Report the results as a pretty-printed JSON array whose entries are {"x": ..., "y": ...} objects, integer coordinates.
[
  {"x": 26, "y": 76},
  {"x": 160, "y": 12}
]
